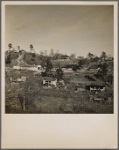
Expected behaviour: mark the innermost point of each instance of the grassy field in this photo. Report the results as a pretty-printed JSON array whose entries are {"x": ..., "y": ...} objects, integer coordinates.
[{"x": 64, "y": 99}]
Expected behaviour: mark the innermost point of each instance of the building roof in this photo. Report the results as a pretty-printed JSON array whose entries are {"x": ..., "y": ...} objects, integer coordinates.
[
  {"x": 95, "y": 83},
  {"x": 49, "y": 78}
]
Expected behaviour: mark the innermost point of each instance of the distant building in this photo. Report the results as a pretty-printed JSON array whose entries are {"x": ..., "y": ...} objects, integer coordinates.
[
  {"x": 80, "y": 57},
  {"x": 80, "y": 89},
  {"x": 67, "y": 70},
  {"x": 19, "y": 79},
  {"x": 28, "y": 67},
  {"x": 109, "y": 59},
  {"x": 98, "y": 99},
  {"x": 95, "y": 86},
  {"x": 49, "y": 81},
  {"x": 16, "y": 67}
]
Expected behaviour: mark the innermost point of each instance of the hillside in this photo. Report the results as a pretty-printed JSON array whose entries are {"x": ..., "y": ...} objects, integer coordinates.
[{"x": 13, "y": 58}]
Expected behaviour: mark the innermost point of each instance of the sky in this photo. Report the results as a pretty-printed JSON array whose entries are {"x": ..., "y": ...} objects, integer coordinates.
[{"x": 78, "y": 29}]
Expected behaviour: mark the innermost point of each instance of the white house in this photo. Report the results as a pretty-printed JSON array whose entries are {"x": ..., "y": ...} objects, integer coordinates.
[
  {"x": 20, "y": 79},
  {"x": 50, "y": 81},
  {"x": 67, "y": 70},
  {"x": 16, "y": 67},
  {"x": 37, "y": 68}
]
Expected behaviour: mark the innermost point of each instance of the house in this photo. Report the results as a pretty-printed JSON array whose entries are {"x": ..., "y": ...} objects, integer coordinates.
[
  {"x": 67, "y": 70},
  {"x": 16, "y": 67},
  {"x": 89, "y": 77},
  {"x": 109, "y": 59},
  {"x": 28, "y": 67},
  {"x": 93, "y": 70},
  {"x": 80, "y": 89},
  {"x": 61, "y": 82},
  {"x": 7, "y": 68},
  {"x": 98, "y": 99},
  {"x": 20, "y": 79},
  {"x": 31, "y": 67},
  {"x": 95, "y": 86},
  {"x": 49, "y": 81}
]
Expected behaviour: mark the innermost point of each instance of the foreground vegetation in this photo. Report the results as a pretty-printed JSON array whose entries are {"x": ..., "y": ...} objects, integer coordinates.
[{"x": 41, "y": 99}]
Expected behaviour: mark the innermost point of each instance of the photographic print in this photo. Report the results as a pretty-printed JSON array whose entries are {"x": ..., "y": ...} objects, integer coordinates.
[
  {"x": 59, "y": 59},
  {"x": 59, "y": 75}
]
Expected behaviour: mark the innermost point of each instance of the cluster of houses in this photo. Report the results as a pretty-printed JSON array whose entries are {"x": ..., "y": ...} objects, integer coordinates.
[{"x": 91, "y": 85}]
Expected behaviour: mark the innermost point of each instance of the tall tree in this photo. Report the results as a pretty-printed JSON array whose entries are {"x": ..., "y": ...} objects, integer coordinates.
[
  {"x": 48, "y": 64},
  {"x": 59, "y": 74},
  {"x": 90, "y": 55},
  {"x": 103, "y": 70},
  {"x": 103, "y": 55},
  {"x": 52, "y": 52},
  {"x": 31, "y": 48},
  {"x": 33, "y": 52},
  {"x": 41, "y": 53},
  {"x": 20, "y": 52},
  {"x": 72, "y": 56},
  {"x": 18, "y": 48},
  {"x": 45, "y": 52},
  {"x": 8, "y": 59},
  {"x": 81, "y": 62},
  {"x": 10, "y": 46}
]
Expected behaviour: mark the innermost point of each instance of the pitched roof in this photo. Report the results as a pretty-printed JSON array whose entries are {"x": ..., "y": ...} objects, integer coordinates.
[
  {"x": 49, "y": 78},
  {"x": 95, "y": 83}
]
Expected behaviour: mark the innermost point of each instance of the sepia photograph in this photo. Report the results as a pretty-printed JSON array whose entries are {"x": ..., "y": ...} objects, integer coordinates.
[
  {"x": 59, "y": 59},
  {"x": 59, "y": 75}
]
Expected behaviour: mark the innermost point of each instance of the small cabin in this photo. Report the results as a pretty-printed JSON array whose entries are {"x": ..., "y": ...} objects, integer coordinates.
[
  {"x": 98, "y": 99},
  {"x": 95, "y": 86},
  {"x": 81, "y": 89},
  {"x": 49, "y": 82},
  {"x": 67, "y": 70}
]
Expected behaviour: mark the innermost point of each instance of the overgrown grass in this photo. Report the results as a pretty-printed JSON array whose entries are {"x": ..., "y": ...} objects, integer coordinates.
[{"x": 40, "y": 100}]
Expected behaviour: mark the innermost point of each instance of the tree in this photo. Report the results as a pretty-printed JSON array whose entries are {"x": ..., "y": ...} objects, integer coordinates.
[
  {"x": 103, "y": 55},
  {"x": 8, "y": 59},
  {"x": 57, "y": 56},
  {"x": 64, "y": 56},
  {"x": 18, "y": 48},
  {"x": 31, "y": 47},
  {"x": 82, "y": 62},
  {"x": 27, "y": 93},
  {"x": 48, "y": 64},
  {"x": 22, "y": 100},
  {"x": 52, "y": 52},
  {"x": 103, "y": 70},
  {"x": 10, "y": 46},
  {"x": 90, "y": 56},
  {"x": 45, "y": 52},
  {"x": 33, "y": 53},
  {"x": 95, "y": 59},
  {"x": 72, "y": 56},
  {"x": 74, "y": 68},
  {"x": 20, "y": 52},
  {"x": 42, "y": 53},
  {"x": 59, "y": 74}
]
